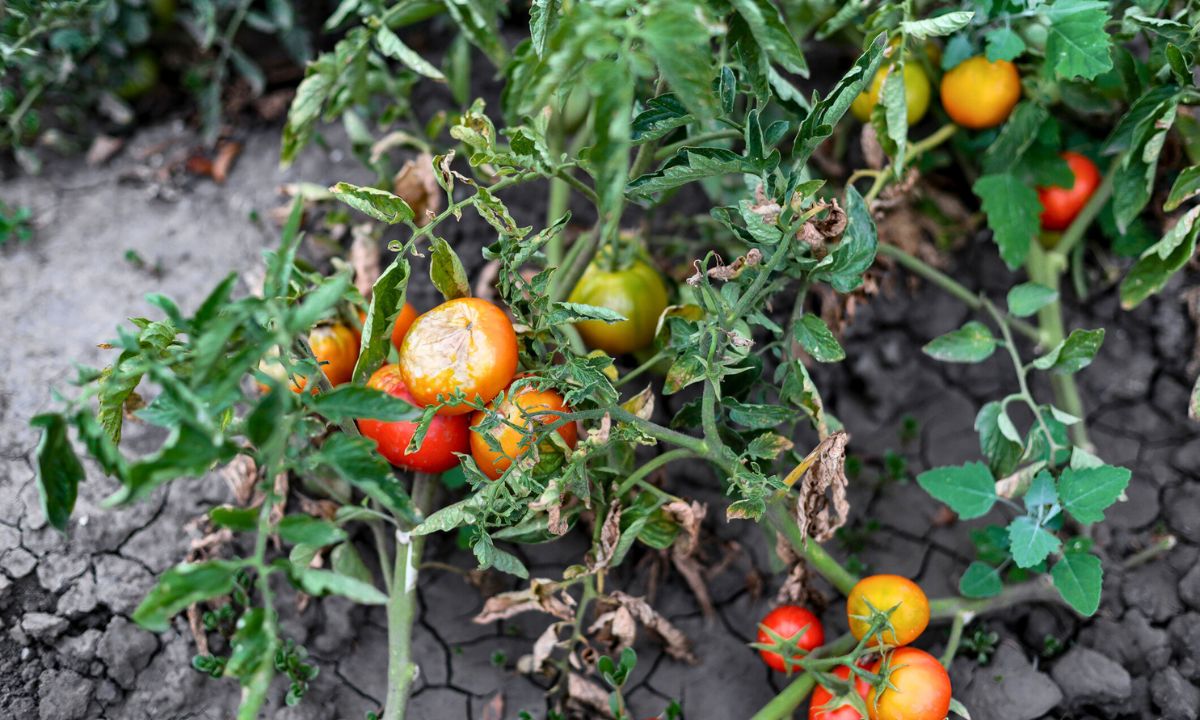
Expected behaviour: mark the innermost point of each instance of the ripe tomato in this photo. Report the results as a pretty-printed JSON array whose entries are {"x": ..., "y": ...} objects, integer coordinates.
[
  {"x": 403, "y": 322},
  {"x": 336, "y": 349},
  {"x": 448, "y": 434},
  {"x": 466, "y": 344},
  {"x": 786, "y": 621},
  {"x": 978, "y": 94},
  {"x": 519, "y": 409},
  {"x": 920, "y": 688},
  {"x": 1061, "y": 205},
  {"x": 916, "y": 94},
  {"x": 883, "y": 592},
  {"x": 637, "y": 292},
  {"x": 817, "y": 709}
]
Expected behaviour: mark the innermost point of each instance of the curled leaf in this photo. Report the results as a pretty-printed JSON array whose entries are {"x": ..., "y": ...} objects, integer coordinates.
[
  {"x": 822, "y": 507},
  {"x": 542, "y": 595},
  {"x": 417, "y": 185}
]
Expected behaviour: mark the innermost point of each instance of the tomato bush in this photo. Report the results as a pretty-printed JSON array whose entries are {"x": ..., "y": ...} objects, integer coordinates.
[{"x": 766, "y": 217}]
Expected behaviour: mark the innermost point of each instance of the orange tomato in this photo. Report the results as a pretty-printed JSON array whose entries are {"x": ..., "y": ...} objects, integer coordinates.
[
  {"x": 403, "y": 322},
  {"x": 521, "y": 409},
  {"x": 466, "y": 344},
  {"x": 919, "y": 688},
  {"x": 336, "y": 349},
  {"x": 884, "y": 592},
  {"x": 979, "y": 94}
]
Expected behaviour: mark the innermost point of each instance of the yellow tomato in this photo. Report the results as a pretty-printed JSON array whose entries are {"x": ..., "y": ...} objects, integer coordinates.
[{"x": 916, "y": 94}]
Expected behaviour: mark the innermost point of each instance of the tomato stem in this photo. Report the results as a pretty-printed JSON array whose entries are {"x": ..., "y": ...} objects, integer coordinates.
[
  {"x": 402, "y": 605},
  {"x": 961, "y": 618},
  {"x": 782, "y": 705},
  {"x": 821, "y": 561}
]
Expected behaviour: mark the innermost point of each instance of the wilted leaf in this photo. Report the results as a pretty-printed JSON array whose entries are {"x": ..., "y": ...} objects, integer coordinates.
[{"x": 822, "y": 506}]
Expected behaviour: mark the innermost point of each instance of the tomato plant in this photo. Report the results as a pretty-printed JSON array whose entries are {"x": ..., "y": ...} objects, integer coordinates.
[
  {"x": 757, "y": 240},
  {"x": 444, "y": 436}
]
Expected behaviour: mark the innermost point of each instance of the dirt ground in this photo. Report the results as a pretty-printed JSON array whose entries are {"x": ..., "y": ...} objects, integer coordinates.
[{"x": 68, "y": 649}]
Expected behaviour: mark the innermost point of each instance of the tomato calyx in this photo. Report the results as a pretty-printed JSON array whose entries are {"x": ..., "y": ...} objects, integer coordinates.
[
  {"x": 846, "y": 687},
  {"x": 792, "y": 650},
  {"x": 880, "y": 622}
]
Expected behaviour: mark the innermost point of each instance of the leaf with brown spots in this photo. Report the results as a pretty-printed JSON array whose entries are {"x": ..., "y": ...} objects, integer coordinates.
[{"x": 822, "y": 506}]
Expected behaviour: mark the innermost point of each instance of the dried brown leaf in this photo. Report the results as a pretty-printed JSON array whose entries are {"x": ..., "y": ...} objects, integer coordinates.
[
  {"x": 417, "y": 186},
  {"x": 822, "y": 506},
  {"x": 610, "y": 533},
  {"x": 241, "y": 474},
  {"x": 587, "y": 697},
  {"x": 872, "y": 150},
  {"x": 676, "y": 644},
  {"x": 103, "y": 148},
  {"x": 542, "y": 596},
  {"x": 365, "y": 258},
  {"x": 642, "y": 404},
  {"x": 493, "y": 709}
]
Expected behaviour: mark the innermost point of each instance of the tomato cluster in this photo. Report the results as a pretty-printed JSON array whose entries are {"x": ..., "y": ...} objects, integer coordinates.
[{"x": 903, "y": 683}]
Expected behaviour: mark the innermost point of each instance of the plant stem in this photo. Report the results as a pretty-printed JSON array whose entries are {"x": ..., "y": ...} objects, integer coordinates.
[
  {"x": 915, "y": 151},
  {"x": 952, "y": 286},
  {"x": 401, "y": 606},
  {"x": 814, "y": 554},
  {"x": 782, "y": 705},
  {"x": 1022, "y": 380},
  {"x": 1146, "y": 554},
  {"x": 668, "y": 150},
  {"x": 637, "y": 371},
  {"x": 652, "y": 465},
  {"x": 1039, "y": 590},
  {"x": 961, "y": 618}
]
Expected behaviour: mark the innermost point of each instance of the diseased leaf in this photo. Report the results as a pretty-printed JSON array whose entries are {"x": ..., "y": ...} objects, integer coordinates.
[
  {"x": 1186, "y": 187},
  {"x": 391, "y": 45},
  {"x": 678, "y": 39},
  {"x": 938, "y": 26},
  {"x": 378, "y": 204},
  {"x": 352, "y": 402},
  {"x": 59, "y": 471},
  {"x": 446, "y": 271},
  {"x": 1073, "y": 354},
  {"x": 813, "y": 335},
  {"x": 1002, "y": 454},
  {"x": 769, "y": 29},
  {"x": 183, "y": 585},
  {"x": 1161, "y": 260},
  {"x": 971, "y": 343}
]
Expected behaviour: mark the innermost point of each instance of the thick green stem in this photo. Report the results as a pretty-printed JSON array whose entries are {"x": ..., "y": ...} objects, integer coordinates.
[
  {"x": 653, "y": 464},
  {"x": 814, "y": 554},
  {"x": 956, "y": 631},
  {"x": 782, "y": 705},
  {"x": 696, "y": 140},
  {"x": 1039, "y": 590},
  {"x": 1046, "y": 269},
  {"x": 402, "y": 606},
  {"x": 952, "y": 286}
]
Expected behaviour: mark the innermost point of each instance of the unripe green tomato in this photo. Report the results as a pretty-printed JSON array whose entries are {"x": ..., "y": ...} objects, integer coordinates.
[
  {"x": 139, "y": 77},
  {"x": 637, "y": 292},
  {"x": 576, "y": 108},
  {"x": 1035, "y": 35},
  {"x": 162, "y": 10},
  {"x": 916, "y": 94}
]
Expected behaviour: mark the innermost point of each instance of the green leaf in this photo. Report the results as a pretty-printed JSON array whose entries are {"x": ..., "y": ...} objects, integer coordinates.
[
  {"x": 250, "y": 647},
  {"x": 612, "y": 84},
  {"x": 1004, "y": 44},
  {"x": 661, "y": 115},
  {"x": 757, "y": 416},
  {"x": 814, "y": 336},
  {"x": 490, "y": 556},
  {"x": 894, "y": 107},
  {"x": 346, "y": 561},
  {"x": 183, "y": 585},
  {"x": 1029, "y": 542},
  {"x": 768, "y": 27},
  {"x": 321, "y": 582},
  {"x": 1186, "y": 187},
  {"x": 1073, "y": 354},
  {"x": 391, "y": 46},
  {"x": 1027, "y": 298},
  {"x": 969, "y": 490},
  {"x": 543, "y": 19},
  {"x": 352, "y": 402},
  {"x": 318, "y": 303},
  {"x": 690, "y": 164},
  {"x": 980, "y": 581},
  {"x": 678, "y": 39},
  {"x": 939, "y": 26},
  {"x": 1077, "y": 42},
  {"x": 59, "y": 471},
  {"x": 1079, "y": 577},
  {"x": 1002, "y": 454},
  {"x": 971, "y": 343},
  {"x": 1087, "y": 492},
  {"x": 446, "y": 271},
  {"x": 827, "y": 112},
  {"x": 387, "y": 300},
  {"x": 378, "y": 204},
  {"x": 1013, "y": 211},
  {"x": 1152, "y": 270},
  {"x": 478, "y": 22},
  {"x": 234, "y": 518},
  {"x": 304, "y": 112},
  {"x": 307, "y": 530},
  {"x": 354, "y": 460},
  {"x": 187, "y": 452}
]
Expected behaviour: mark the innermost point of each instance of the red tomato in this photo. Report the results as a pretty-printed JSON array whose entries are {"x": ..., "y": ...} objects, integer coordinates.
[
  {"x": 817, "y": 709},
  {"x": 1061, "y": 205},
  {"x": 448, "y": 434},
  {"x": 787, "y": 621},
  {"x": 919, "y": 688},
  {"x": 514, "y": 443}
]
